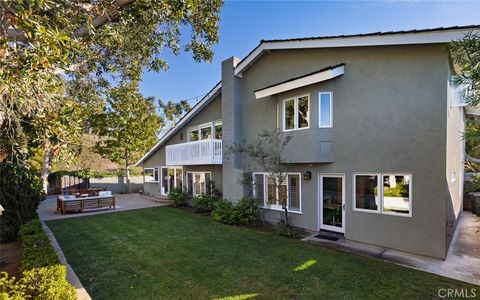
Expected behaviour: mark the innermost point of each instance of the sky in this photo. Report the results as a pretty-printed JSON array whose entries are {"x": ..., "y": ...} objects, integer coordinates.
[{"x": 244, "y": 23}]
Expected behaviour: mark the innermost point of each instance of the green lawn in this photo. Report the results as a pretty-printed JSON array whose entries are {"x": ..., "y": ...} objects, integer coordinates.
[{"x": 167, "y": 253}]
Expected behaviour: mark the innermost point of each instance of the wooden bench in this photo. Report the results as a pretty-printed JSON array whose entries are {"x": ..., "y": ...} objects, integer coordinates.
[{"x": 65, "y": 204}]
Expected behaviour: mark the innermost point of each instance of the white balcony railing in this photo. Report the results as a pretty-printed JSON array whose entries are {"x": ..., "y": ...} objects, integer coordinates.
[{"x": 204, "y": 152}]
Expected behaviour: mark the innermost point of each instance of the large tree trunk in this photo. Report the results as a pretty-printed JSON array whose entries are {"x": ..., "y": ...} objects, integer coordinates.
[
  {"x": 46, "y": 168},
  {"x": 127, "y": 173}
]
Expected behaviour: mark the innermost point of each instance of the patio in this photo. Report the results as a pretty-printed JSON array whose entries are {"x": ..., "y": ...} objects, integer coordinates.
[{"x": 48, "y": 207}]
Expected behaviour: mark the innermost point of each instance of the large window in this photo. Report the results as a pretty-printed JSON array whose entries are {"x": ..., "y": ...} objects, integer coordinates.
[
  {"x": 296, "y": 113},
  {"x": 289, "y": 190},
  {"x": 383, "y": 193},
  {"x": 150, "y": 174},
  {"x": 325, "y": 114},
  {"x": 199, "y": 183},
  {"x": 205, "y": 131}
]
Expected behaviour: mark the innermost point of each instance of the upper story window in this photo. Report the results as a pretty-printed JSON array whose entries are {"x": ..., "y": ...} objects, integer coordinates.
[
  {"x": 325, "y": 111},
  {"x": 205, "y": 131},
  {"x": 296, "y": 113}
]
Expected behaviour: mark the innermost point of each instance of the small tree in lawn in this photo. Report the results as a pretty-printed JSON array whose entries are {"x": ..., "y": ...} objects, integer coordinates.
[
  {"x": 268, "y": 153},
  {"x": 130, "y": 124}
]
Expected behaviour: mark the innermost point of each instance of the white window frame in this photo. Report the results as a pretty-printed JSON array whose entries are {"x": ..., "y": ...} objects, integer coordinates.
[
  {"x": 199, "y": 127},
  {"x": 193, "y": 176},
  {"x": 409, "y": 195},
  {"x": 380, "y": 207},
  {"x": 153, "y": 169},
  {"x": 354, "y": 196},
  {"x": 174, "y": 178},
  {"x": 320, "y": 109},
  {"x": 295, "y": 113},
  {"x": 265, "y": 192}
]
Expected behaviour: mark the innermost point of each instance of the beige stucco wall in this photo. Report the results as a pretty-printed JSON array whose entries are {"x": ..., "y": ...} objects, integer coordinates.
[
  {"x": 389, "y": 115},
  {"x": 212, "y": 112}
]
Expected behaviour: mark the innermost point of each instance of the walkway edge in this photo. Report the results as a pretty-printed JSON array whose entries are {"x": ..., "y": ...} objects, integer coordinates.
[{"x": 72, "y": 278}]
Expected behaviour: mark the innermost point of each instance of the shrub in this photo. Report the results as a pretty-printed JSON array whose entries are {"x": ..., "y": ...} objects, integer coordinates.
[
  {"x": 473, "y": 185},
  {"x": 177, "y": 196},
  {"x": 43, "y": 277},
  {"x": 36, "y": 248},
  {"x": 243, "y": 213},
  {"x": 20, "y": 194},
  {"x": 223, "y": 212},
  {"x": 286, "y": 230},
  {"x": 204, "y": 203}
]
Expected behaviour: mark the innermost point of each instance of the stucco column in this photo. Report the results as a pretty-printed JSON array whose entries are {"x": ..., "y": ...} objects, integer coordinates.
[{"x": 232, "y": 131}]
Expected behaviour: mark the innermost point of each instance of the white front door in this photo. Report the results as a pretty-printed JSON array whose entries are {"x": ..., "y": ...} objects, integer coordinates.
[{"x": 331, "y": 202}]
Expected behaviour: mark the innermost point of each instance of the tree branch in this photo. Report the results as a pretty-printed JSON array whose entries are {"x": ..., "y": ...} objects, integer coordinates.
[
  {"x": 98, "y": 21},
  {"x": 473, "y": 159}
]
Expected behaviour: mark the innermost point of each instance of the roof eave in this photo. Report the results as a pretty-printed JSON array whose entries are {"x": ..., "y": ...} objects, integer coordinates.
[
  {"x": 439, "y": 36},
  {"x": 196, "y": 109}
]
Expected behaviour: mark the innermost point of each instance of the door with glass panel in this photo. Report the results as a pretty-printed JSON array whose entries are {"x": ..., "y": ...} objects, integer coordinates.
[{"x": 331, "y": 202}]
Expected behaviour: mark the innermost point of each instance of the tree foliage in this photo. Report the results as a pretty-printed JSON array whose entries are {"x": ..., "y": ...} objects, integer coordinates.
[
  {"x": 173, "y": 111},
  {"x": 465, "y": 53},
  {"x": 130, "y": 124},
  {"x": 96, "y": 44},
  {"x": 267, "y": 153}
]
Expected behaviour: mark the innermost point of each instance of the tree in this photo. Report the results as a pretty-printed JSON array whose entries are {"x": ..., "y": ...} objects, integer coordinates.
[
  {"x": 267, "y": 152},
  {"x": 173, "y": 111},
  {"x": 95, "y": 43},
  {"x": 130, "y": 124},
  {"x": 465, "y": 53},
  {"x": 57, "y": 136}
]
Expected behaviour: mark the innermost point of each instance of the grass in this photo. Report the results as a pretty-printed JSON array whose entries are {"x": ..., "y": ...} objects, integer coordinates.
[{"x": 167, "y": 253}]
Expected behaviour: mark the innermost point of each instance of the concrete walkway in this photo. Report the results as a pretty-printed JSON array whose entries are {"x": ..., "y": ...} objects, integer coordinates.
[
  {"x": 47, "y": 211},
  {"x": 462, "y": 262}
]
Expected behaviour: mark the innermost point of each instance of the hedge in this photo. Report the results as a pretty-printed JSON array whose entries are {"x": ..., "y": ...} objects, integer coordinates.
[{"x": 43, "y": 277}]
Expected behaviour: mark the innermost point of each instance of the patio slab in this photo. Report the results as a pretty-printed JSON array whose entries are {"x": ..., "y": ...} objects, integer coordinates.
[
  {"x": 47, "y": 208},
  {"x": 462, "y": 262}
]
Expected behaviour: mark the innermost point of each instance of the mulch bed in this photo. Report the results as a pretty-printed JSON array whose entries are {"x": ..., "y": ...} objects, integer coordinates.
[{"x": 10, "y": 258}]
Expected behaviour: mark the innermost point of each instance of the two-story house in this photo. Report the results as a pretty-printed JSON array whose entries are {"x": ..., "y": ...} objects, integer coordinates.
[{"x": 377, "y": 150}]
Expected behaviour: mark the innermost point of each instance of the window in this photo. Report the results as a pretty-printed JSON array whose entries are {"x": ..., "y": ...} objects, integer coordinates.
[
  {"x": 193, "y": 135},
  {"x": 366, "y": 192},
  {"x": 293, "y": 181},
  {"x": 325, "y": 110},
  {"x": 396, "y": 194},
  {"x": 171, "y": 177},
  {"x": 205, "y": 131},
  {"x": 150, "y": 174},
  {"x": 296, "y": 113},
  {"x": 199, "y": 183},
  {"x": 390, "y": 192},
  {"x": 218, "y": 130},
  {"x": 264, "y": 191}
]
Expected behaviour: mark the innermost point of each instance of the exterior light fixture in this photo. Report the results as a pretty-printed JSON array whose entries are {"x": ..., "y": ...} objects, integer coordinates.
[{"x": 307, "y": 175}]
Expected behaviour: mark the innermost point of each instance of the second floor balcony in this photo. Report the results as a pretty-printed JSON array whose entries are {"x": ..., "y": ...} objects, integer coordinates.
[{"x": 203, "y": 152}]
